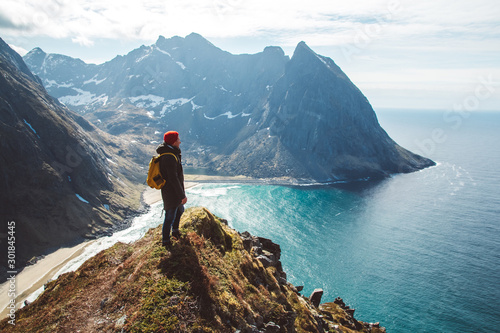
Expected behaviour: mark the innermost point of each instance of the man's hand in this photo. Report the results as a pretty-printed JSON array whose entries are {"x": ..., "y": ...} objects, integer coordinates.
[{"x": 184, "y": 201}]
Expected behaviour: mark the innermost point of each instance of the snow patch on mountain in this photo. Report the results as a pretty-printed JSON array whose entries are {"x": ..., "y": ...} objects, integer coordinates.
[
  {"x": 195, "y": 107},
  {"x": 162, "y": 51},
  {"x": 94, "y": 80},
  {"x": 147, "y": 101},
  {"x": 228, "y": 114},
  {"x": 83, "y": 98},
  {"x": 52, "y": 83},
  {"x": 173, "y": 104}
]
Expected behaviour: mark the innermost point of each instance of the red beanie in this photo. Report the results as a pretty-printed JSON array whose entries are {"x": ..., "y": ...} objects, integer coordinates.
[{"x": 170, "y": 137}]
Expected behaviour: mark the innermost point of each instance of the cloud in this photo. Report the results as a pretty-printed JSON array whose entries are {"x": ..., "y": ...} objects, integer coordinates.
[
  {"x": 21, "y": 51},
  {"x": 5, "y": 22},
  {"x": 365, "y": 38},
  {"x": 326, "y": 21},
  {"x": 82, "y": 40}
]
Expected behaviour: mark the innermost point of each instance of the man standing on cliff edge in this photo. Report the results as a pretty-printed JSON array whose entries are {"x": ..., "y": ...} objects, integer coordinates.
[{"x": 172, "y": 193}]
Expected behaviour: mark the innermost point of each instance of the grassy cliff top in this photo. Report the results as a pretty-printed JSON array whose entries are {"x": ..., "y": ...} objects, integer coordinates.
[{"x": 211, "y": 280}]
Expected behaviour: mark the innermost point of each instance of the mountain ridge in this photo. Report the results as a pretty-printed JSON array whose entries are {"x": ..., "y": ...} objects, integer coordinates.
[
  {"x": 235, "y": 108},
  {"x": 58, "y": 185}
]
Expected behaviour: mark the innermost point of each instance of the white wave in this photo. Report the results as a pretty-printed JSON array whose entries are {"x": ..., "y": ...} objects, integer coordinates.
[{"x": 211, "y": 192}]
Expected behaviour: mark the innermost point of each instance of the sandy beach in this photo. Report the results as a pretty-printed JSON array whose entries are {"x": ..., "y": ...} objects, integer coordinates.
[{"x": 35, "y": 276}]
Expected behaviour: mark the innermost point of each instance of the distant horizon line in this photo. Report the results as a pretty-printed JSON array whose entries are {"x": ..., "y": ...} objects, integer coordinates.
[{"x": 376, "y": 109}]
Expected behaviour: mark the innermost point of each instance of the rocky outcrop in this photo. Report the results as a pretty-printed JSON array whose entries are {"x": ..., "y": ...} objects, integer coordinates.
[
  {"x": 212, "y": 279},
  {"x": 262, "y": 115},
  {"x": 60, "y": 181}
]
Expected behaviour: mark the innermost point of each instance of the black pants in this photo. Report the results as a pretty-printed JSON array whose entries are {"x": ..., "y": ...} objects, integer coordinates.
[{"x": 172, "y": 219}]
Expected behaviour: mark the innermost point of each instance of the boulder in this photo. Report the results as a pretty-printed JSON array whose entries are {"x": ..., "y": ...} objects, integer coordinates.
[{"x": 316, "y": 297}]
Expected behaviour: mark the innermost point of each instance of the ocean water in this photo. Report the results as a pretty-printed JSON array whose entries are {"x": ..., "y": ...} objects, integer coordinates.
[{"x": 417, "y": 252}]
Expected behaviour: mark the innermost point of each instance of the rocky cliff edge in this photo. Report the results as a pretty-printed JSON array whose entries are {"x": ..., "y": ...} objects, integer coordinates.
[{"x": 212, "y": 279}]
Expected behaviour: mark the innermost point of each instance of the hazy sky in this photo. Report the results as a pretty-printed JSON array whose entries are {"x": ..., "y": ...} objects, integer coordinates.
[{"x": 425, "y": 54}]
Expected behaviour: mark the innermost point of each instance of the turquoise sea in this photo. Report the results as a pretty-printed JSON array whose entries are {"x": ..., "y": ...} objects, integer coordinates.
[{"x": 418, "y": 252}]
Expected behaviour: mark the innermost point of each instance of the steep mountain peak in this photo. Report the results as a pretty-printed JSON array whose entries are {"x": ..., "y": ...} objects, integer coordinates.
[
  {"x": 36, "y": 57},
  {"x": 174, "y": 40},
  {"x": 36, "y": 52},
  {"x": 14, "y": 58},
  {"x": 302, "y": 50},
  {"x": 193, "y": 39},
  {"x": 198, "y": 41},
  {"x": 195, "y": 36},
  {"x": 304, "y": 53},
  {"x": 303, "y": 46},
  {"x": 307, "y": 61},
  {"x": 61, "y": 57},
  {"x": 274, "y": 50},
  {"x": 160, "y": 39}
]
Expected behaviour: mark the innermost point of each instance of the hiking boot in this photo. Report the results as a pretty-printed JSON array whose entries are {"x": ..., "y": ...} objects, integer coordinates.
[
  {"x": 176, "y": 234},
  {"x": 167, "y": 244}
]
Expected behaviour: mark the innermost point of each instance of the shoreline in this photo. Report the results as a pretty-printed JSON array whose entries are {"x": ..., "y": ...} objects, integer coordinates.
[{"x": 151, "y": 196}]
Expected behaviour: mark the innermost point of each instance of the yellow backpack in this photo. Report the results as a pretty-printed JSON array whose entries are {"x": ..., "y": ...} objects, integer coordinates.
[{"x": 155, "y": 180}]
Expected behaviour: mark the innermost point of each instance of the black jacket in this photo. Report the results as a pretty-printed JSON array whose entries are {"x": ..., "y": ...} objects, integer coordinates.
[{"x": 172, "y": 192}]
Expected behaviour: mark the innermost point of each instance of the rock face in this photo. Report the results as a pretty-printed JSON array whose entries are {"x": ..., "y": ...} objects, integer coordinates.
[
  {"x": 262, "y": 115},
  {"x": 318, "y": 125},
  {"x": 210, "y": 280},
  {"x": 57, "y": 183}
]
